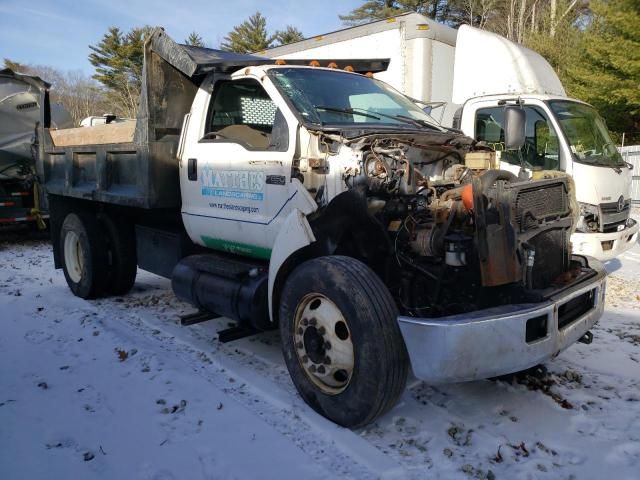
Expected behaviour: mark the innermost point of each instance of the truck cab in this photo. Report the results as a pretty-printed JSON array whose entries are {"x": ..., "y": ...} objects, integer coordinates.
[
  {"x": 562, "y": 134},
  {"x": 569, "y": 136},
  {"x": 239, "y": 142}
]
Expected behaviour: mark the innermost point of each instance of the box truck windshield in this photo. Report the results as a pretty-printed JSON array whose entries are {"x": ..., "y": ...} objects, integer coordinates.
[{"x": 586, "y": 134}]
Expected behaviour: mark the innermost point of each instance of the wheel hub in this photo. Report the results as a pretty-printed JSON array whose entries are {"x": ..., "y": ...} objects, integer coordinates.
[
  {"x": 73, "y": 256},
  {"x": 314, "y": 344},
  {"x": 323, "y": 343}
]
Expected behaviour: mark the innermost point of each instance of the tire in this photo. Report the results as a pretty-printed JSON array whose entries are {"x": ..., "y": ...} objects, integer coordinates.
[
  {"x": 340, "y": 300},
  {"x": 84, "y": 255},
  {"x": 123, "y": 262}
]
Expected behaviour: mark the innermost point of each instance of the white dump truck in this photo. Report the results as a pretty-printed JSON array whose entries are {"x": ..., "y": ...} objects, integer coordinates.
[
  {"x": 326, "y": 204},
  {"x": 466, "y": 77}
]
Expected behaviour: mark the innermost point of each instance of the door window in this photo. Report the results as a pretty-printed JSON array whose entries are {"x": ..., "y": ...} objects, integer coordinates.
[
  {"x": 541, "y": 150},
  {"x": 241, "y": 111}
]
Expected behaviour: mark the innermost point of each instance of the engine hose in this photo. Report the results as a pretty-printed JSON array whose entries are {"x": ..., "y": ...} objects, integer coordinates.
[
  {"x": 454, "y": 193},
  {"x": 492, "y": 176}
]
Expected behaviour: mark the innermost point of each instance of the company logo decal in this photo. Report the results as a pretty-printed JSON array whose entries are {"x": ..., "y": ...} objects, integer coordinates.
[{"x": 236, "y": 184}]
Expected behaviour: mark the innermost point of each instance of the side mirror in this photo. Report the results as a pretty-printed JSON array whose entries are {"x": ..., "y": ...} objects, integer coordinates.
[{"x": 514, "y": 125}]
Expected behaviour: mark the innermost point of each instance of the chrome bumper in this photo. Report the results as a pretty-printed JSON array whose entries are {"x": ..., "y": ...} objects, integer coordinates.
[{"x": 493, "y": 342}]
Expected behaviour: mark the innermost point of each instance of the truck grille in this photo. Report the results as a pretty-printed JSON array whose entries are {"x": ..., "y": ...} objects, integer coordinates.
[
  {"x": 611, "y": 218},
  {"x": 536, "y": 204},
  {"x": 613, "y": 207}
]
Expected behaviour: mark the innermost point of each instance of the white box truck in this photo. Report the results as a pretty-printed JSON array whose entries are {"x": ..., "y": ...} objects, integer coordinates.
[{"x": 472, "y": 75}]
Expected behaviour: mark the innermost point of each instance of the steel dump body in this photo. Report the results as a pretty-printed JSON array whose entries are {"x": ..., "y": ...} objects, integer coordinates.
[{"x": 137, "y": 165}]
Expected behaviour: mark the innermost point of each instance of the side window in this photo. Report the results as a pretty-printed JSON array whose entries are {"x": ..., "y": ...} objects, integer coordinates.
[
  {"x": 241, "y": 111},
  {"x": 541, "y": 149}
]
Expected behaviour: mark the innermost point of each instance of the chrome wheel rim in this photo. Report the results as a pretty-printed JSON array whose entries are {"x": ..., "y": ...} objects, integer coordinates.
[{"x": 323, "y": 344}]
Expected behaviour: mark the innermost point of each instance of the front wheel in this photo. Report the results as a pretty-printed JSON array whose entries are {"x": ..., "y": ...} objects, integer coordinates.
[{"x": 341, "y": 341}]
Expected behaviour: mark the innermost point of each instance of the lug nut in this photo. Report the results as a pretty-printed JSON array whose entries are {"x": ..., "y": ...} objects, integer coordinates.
[
  {"x": 321, "y": 369},
  {"x": 299, "y": 345},
  {"x": 327, "y": 345},
  {"x": 305, "y": 359},
  {"x": 313, "y": 321},
  {"x": 312, "y": 369},
  {"x": 321, "y": 330},
  {"x": 305, "y": 322},
  {"x": 327, "y": 361},
  {"x": 300, "y": 330}
]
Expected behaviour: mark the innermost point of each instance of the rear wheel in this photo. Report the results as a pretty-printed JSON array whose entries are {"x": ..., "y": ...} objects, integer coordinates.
[
  {"x": 84, "y": 255},
  {"x": 123, "y": 263},
  {"x": 341, "y": 340}
]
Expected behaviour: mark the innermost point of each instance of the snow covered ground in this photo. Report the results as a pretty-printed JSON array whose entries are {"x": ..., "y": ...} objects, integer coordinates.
[{"x": 114, "y": 388}]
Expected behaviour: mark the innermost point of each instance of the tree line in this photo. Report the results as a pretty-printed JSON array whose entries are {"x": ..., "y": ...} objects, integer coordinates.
[{"x": 594, "y": 46}]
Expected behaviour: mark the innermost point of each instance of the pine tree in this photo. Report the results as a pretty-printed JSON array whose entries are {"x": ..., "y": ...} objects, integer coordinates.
[
  {"x": 194, "y": 40},
  {"x": 607, "y": 74},
  {"x": 372, "y": 10},
  {"x": 288, "y": 35},
  {"x": 250, "y": 36},
  {"x": 118, "y": 59}
]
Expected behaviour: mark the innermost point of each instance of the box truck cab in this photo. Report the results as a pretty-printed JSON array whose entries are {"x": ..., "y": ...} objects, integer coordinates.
[
  {"x": 466, "y": 78},
  {"x": 561, "y": 134}
]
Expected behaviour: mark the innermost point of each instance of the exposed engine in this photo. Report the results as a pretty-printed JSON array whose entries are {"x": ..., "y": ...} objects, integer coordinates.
[{"x": 462, "y": 236}]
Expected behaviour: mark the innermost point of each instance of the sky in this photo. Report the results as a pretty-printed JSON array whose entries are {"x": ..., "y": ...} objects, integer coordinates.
[{"x": 58, "y": 32}]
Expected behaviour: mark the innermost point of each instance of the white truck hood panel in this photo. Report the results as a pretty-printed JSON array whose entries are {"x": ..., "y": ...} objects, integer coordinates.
[
  {"x": 488, "y": 64},
  {"x": 601, "y": 184}
]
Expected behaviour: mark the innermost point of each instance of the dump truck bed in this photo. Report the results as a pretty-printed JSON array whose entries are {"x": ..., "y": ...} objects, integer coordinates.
[{"x": 101, "y": 163}]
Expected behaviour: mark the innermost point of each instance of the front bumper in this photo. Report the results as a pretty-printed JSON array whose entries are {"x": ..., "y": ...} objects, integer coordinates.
[
  {"x": 605, "y": 246},
  {"x": 493, "y": 342}
]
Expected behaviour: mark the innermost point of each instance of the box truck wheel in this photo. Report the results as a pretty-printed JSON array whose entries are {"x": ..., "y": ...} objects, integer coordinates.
[
  {"x": 123, "y": 263},
  {"x": 341, "y": 341},
  {"x": 84, "y": 255}
]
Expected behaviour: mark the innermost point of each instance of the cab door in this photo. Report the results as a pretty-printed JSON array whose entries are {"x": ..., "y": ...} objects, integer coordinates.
[{"x": 235, "y": 169}]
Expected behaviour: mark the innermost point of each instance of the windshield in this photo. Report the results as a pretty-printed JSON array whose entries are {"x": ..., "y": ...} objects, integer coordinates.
[
  {"x": 332, "y": 97},
  {"x": 586, "y": 133}
]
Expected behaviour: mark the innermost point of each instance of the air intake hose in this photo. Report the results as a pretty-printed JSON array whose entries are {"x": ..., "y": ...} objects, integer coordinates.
[{"x": 492, "y": 176}]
